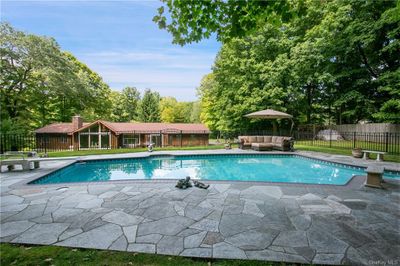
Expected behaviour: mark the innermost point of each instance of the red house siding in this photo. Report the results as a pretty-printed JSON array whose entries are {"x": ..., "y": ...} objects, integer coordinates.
[{"x": 111, "y": 135}]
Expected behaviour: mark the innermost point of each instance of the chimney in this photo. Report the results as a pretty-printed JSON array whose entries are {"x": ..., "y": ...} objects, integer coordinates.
[{"x": 77, "y": 122}]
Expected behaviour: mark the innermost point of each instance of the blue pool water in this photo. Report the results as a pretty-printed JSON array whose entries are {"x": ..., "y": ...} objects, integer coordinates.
[{"x": 270, "y": 168}]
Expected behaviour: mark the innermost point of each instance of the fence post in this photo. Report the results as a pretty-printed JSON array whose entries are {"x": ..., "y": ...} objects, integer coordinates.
[
  {"x": 330, "y": 138},
  {"x": 160, "y": 144},
  {"x": 387, "y": 142},
  {"x": 312, "y": 139},
  {"x": 354, "y": 139},
  {"x": 45, "y": 143}
]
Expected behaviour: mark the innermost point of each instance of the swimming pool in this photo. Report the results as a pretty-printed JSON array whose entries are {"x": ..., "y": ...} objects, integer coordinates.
[{"x": 240, "y": 167}]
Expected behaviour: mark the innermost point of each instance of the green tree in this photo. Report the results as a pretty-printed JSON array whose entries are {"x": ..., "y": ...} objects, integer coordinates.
[
  {"x": 168, "y": 106},
  {"x": 336, "y": 64},
  {"x": 192, "y": 20},
  {"x": 118, "y": 112},
  {"x": 173, "y": 111},
  {"x": 129, "y": 102},
  {"x": 93, "y": 98},
  {"x": 40, "y": 84},
  {"x": 149, "y": 108},
  {"x": 34, "y": 71},
  {"x": 246, "y": 77},
  {"x": 208, "y": 93},
  {"x": 195, "y": 112}
]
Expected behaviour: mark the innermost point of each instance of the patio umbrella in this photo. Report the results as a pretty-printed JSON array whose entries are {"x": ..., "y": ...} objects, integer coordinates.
[{"x": 271, "y": 114}]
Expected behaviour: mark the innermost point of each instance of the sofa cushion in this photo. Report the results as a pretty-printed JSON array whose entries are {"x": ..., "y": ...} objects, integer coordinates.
[
  {"x": 267, "y": 139},
  {"x": 274, "y": 139},
  {"x": 244, "y": 139},
  {"x": 279, "y": 140},
  {"x": 260, "y": 139},
  {"x": 266, "y": 145},
  {"x": 253, "y": 139}
]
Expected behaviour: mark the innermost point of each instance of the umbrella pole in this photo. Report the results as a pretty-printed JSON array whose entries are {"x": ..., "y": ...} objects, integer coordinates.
[
  {"x": 274, "y": 127},
  {"x": 291, "y": 127}
]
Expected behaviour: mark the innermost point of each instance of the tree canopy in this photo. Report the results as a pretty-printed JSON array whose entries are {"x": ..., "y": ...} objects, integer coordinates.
[
  {"x": 192, "y": 20},
  {"x": 173, "y": 111},
  {"x": 40, "y": 83},
  {"x": 150, "y": 107},
  {"x": 338, "y": 63}
]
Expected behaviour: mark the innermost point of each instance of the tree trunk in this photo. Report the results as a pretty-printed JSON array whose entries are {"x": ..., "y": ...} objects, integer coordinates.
[{"x": 309, "y": 94}]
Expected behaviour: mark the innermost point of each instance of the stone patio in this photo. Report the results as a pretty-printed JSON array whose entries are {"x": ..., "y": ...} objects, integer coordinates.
[{"x": 318, "y": 224}]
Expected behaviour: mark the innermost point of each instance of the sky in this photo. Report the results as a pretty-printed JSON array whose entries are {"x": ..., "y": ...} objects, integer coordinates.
[{"x": 118, "y": 40}]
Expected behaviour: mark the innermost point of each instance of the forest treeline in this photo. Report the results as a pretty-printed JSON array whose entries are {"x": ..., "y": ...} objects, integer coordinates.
[
  {"x": 324, "y": 62},
  {"x": 333, "y": 62},
  {"x": 41, "y": 84}
]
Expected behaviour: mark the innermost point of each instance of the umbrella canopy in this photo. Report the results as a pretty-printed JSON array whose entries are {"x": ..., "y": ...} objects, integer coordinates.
[{"x": 269, "y": 114}]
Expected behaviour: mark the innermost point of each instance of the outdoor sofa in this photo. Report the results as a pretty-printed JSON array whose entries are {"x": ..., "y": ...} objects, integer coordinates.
[{"x": 265, "y": 143}]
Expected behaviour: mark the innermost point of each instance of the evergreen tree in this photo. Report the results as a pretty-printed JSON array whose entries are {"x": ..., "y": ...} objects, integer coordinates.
[{"x": 150, "y": 107}]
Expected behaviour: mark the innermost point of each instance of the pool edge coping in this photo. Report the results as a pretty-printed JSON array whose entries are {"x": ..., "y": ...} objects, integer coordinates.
[{"x": 349, "y": 183}]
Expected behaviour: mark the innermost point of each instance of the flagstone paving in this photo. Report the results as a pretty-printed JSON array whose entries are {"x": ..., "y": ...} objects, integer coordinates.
[{"x": 293, "y": 223}]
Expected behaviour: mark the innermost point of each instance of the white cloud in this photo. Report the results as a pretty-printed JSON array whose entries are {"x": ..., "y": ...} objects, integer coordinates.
[
  {"x": 163, "y": 58},
  {"x": 172, "y": 72}
]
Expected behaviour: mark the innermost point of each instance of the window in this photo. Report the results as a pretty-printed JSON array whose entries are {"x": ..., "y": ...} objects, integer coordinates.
[
  {"x": 94, "y": 141},
  {"x": 84, "y": 141},
  {"x": 130, "y": 140},
  {"x": 94, "y": 128},
  {"x": 105, "y": 140},
  {"x": 91, "y": 138}
]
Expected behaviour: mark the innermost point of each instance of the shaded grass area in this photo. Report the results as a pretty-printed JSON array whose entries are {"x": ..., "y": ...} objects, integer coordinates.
[
  {"x": 116, "y": 151},
  {"x": 342, "y": 151},
  {"x": 348, "y": 144},
  {"x": 52, "y": 255}
]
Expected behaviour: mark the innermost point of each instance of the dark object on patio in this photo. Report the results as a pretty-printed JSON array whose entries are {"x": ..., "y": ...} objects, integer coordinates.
[
  {"x": 184, "y": 183},
  {"x": 200, "y": 184},
  {"x": 357, "y": 153}
]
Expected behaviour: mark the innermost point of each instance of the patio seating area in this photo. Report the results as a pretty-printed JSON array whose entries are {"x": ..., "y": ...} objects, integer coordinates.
[{"x": 266, "y": 143}]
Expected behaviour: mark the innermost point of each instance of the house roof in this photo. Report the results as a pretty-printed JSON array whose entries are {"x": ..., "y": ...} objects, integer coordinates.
[
  {"x": 57, "y": 128},
  {"x": 151, "y": 127},
  {"x": 119, "y": 128}
]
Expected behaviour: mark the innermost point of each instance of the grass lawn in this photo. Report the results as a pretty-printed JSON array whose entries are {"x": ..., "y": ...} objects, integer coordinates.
[
  {"x": 342, "y": 151},
  {"x": 115, "y": 151},
  {"x": 51, "y": 255}
]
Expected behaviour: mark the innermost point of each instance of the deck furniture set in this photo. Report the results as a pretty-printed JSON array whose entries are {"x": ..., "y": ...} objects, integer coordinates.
[{"x": 266, "y": 143}]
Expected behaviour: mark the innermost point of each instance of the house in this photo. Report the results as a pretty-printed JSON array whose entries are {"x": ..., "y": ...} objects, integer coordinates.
[{"x": 100, "y": 134}]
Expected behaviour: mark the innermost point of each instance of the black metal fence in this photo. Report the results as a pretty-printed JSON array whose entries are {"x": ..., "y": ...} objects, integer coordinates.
[
  {"x": 31, "y": 142},
  {"x": 377, "y": 141}
]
